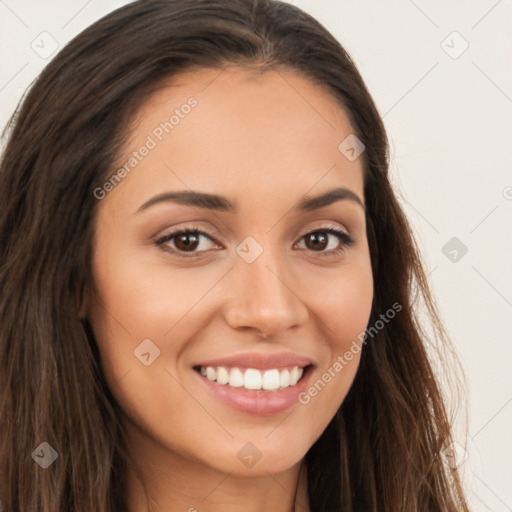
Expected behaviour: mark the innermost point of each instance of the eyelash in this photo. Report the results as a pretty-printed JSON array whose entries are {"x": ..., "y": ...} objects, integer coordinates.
[{"x": 344, "y": 238}]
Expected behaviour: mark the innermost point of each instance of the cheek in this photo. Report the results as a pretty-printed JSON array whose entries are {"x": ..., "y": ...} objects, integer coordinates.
[
  {"x": 136, "y": 307},
  {"x": 342, "y": 302},
  {"x": 342, "y": 305},
  {"x": 144, "y": 298},
  {"x": 137, "y": 300},
  {"x": 348, "y": 312}
]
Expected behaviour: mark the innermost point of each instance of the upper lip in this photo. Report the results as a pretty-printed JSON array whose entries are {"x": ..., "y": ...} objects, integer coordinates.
[{"x": 263, "y": 361}]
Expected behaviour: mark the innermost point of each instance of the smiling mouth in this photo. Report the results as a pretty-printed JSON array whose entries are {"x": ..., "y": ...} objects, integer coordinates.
[{"x": 253, "y": 379}]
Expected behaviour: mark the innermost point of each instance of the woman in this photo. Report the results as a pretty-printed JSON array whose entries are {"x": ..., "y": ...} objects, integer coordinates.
[{"x": 208, "y": 286}]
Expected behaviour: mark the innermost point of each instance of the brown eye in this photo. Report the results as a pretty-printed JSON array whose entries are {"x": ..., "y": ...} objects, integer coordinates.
[
  {"x": 316, "y": 241},
  {"x": 182, "y": 241},
  {"x": 186, "y": 241},
  {"x": 327, "y": 241}
]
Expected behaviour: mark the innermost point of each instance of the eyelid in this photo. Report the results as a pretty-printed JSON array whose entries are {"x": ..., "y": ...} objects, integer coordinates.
[
  {"x": 189, "y": 228},
  {"x": 330, "y": 227},
  {"x": 327, "y": 226},
  {"x": 345, "y": 238}
]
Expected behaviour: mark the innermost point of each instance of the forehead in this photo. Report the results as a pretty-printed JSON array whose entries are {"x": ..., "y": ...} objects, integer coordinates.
[{"x": 211, "y": 128}]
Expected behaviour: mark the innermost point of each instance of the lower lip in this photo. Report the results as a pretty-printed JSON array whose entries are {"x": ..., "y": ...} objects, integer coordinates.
[{"x": 257, "y": 402}]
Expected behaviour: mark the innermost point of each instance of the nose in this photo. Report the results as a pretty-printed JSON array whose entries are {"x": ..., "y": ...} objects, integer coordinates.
[{"x": 264, "y": 297}]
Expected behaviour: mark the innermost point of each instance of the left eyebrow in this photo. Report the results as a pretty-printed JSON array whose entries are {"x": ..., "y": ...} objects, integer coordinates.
[
  {"x": 221, "y": 203},
  {"x": 328, "y": 198}
]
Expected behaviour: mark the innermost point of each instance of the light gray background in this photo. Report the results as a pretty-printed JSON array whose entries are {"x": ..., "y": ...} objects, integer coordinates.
[{"x": 449, "y": 121}]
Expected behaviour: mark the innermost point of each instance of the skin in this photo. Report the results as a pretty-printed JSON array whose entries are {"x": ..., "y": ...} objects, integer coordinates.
[{"x": 265, "y": 141}]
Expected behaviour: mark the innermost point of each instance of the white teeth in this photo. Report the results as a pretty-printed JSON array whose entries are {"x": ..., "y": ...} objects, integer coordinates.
[
  {"x": 268, "y": 380},
  {"x": 211, "y": 374},
  {"x": 271, "y": 380},
  {"x": 222, "y": 375},
  {"x": 236, "y": 378},
  {"x": 295, "y": 375},
  {"x": 284, "y": 378},
  {"x": 252, "y": 379}
]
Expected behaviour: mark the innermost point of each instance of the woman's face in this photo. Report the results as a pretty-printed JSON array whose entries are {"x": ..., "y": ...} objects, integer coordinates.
[{"x": 260, "y": 289}]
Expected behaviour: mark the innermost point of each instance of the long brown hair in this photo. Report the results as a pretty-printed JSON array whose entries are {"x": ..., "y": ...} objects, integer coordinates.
[{"x": 383, "y": 450}]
